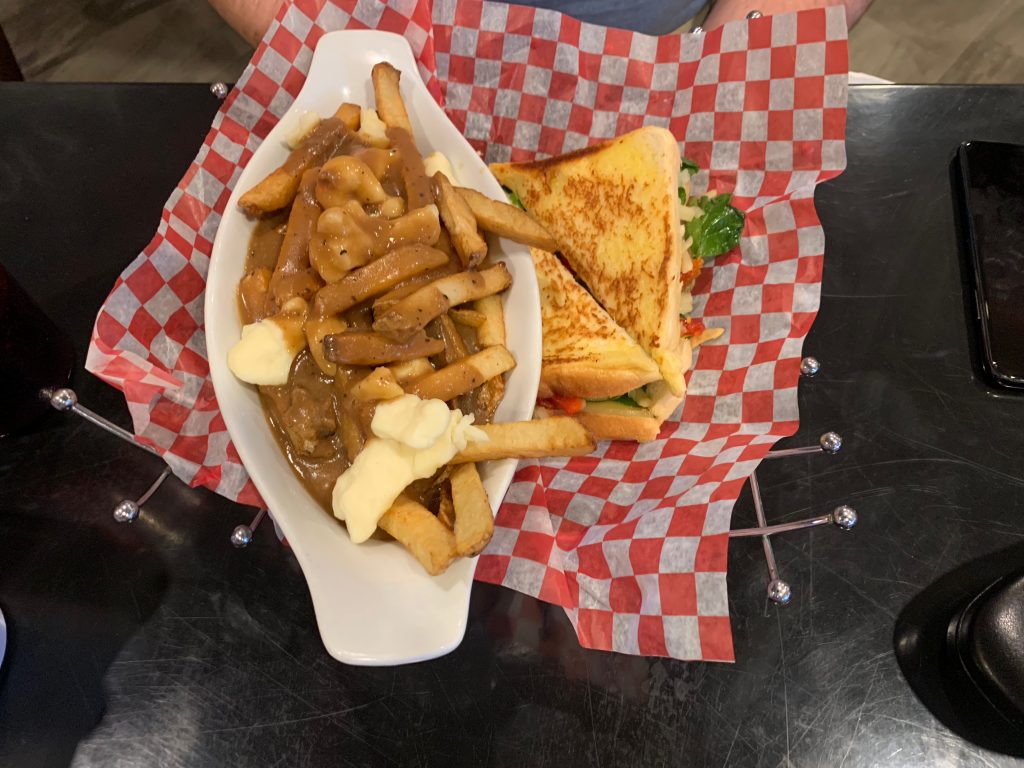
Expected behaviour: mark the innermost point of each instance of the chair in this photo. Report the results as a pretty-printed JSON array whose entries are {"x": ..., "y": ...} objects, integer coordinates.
[{"x": 9, "y": 69}]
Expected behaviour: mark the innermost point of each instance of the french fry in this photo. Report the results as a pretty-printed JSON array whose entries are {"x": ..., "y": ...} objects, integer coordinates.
[
  {"x": 420, "y": 532},
  {"x": 279, "y": 188},
  {"x": 413, "y": 284},
  {"x": 349, "y": 115},
  {"x": 446, "y": 507},
  {"x": 506, "y": 220},
  {"x": 317, "y": 329},
  {"x": 377, "y": 277},
  {"x": 490, "y": 333},
  {"x": 461, "y": 224},
  {"x": 273, "y": 193},
  {"x": 489, "y": 397},
  {"x": 474, "y": 522},
  {"x": 470, "y": 318},
  {"x": 465, "y": 375},
  {"x": 412, "y": 313},
  {"x": 379, "y": 384},
  {"x": 292, "y": 275},
  {"x": 455, "y": 348},
  {"x": 252, "y": 293},
  {"x": 557, "y": 436},
  {"x": 388, "y": 96},
  {"x": 368, "y": 348},
  {"x": 492, "y": 330},
  {"x": 410, "y": 370}
]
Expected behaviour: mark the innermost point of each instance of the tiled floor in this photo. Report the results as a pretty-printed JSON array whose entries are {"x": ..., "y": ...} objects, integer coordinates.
[{"x": 907, "y": 41}]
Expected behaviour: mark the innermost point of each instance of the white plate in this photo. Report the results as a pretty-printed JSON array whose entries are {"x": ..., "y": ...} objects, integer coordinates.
[{"x": 374, "y": 603}]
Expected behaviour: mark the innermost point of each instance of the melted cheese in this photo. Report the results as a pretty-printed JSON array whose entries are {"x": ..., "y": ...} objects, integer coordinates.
[{"x": 413, "y": 438}]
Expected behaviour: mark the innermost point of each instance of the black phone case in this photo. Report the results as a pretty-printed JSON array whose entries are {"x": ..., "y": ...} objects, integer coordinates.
[{"x": 975, "y": 164}]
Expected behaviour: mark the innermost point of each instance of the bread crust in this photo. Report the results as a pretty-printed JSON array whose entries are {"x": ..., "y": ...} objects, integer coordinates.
[{"x": 603, "y": 426}]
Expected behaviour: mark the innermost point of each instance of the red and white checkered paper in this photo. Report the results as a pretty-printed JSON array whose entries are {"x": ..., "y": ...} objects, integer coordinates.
[{"x": 632, "y": 540}]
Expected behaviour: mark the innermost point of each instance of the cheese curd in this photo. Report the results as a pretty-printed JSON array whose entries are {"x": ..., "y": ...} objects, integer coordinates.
[
  {"x": 298, "y": 126},
  {"x": 413, "y": 438},
  {"x": 372, "y": 129},
  {"x": 435, "y": 162},
  {"x": 265, "y": 353}
]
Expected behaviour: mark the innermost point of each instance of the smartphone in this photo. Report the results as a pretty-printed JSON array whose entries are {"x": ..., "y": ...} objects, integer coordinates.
[{"x": 991, "y": 208}]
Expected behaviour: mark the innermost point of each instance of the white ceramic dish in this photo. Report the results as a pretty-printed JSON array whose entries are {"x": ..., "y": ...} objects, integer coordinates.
[{"x": 374, "y": 603}]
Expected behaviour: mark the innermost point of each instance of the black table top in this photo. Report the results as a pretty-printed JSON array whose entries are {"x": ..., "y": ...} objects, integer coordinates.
[{"x": 160, "y": 644}]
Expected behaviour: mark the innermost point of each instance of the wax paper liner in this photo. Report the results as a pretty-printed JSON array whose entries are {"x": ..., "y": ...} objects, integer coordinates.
[{"x": 632, "y": 540}]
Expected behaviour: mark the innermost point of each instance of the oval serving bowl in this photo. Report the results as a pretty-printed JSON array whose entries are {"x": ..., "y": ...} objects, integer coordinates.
[{"x": 374, "y": 603}]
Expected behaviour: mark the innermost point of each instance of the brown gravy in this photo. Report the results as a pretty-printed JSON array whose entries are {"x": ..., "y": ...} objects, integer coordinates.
[{"x": 319, "y": 426}]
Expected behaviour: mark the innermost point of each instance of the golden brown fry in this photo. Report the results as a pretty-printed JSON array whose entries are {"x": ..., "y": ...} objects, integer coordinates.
[
  {"x": 474, "y": 522},
  {"x": 467, "y": 374},
  {"x": 455, "y": 348},
  {"x": 557, "y": 436},
  {"x": 376, "y": 277},
  {"x": 492, "y": 330},
  {"x": 252, "y": 293},
  {"x": 418, "y": 190},
  {"x": 506, "y": 220},
  {"x": 470, "y": 318},
  {"x": 488, "y": 398},
  {"x": 380, "y": 384},
  {"x": 349, "y": 115},
  {"x": 317, "y": 329},
  {"x": 388, "y": 96},
  {"x": 460, "y": 222},
  {"x": 410, "y": 370},
  {"x": 420, "y": 532},
  {"x": 292, "y": 275},
  {"x": 419, "y": 308},
  {"x": 272, "y": 193},
  {"x": 278, "y": 189},
  {"x": 368, "y": 348},
  {"x": 446, "y": 508},
  {"x": 413, "y": 284}
]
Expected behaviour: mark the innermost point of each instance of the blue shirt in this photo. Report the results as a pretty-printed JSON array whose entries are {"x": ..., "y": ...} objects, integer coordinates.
[{"x": 652, "y": 17}]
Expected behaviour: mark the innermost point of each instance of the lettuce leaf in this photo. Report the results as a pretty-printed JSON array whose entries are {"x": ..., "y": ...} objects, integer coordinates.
[
  {"x": 718, "y": 230},
  {"x": 688, "y": 165},
  {"x": 514, "y": 198}
]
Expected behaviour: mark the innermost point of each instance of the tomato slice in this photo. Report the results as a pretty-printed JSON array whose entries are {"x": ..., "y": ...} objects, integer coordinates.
[
  {"x": 570, "y": 405},
  {"x": 691, "y": 327},
  {"x": 688, "y": 278}
]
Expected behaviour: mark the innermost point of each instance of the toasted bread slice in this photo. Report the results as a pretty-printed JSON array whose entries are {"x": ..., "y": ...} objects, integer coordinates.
[
  {"x": 614, "y": 210},
  {"x": 585, "y": 353}
]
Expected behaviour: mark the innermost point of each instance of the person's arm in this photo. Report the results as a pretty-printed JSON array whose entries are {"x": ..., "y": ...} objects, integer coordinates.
[
  {"x": 731, "y": 10},
  {"x": 249, "y": 18}
]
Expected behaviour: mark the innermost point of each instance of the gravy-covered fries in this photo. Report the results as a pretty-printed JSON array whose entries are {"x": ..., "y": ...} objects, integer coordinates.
[{"x": 375, "y": 333}]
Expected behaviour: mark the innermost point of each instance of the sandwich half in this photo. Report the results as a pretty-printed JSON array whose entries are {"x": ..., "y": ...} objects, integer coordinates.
[
  {"x": 613, "y": 208},
  {"x": 615, "y": 300},
  {"x": 589, "y": 363}
]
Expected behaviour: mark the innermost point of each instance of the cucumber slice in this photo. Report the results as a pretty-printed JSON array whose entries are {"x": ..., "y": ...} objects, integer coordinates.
[{"x": 615, "y": 407}]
